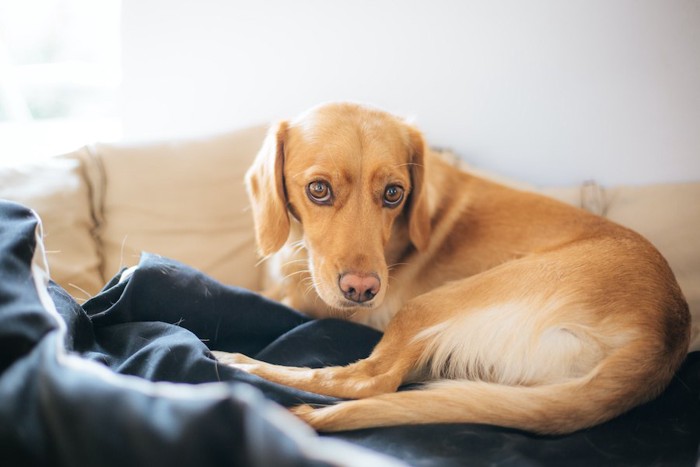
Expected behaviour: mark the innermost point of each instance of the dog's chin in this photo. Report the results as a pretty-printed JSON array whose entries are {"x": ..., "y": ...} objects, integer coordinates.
[{"x": 343, "y": 307}]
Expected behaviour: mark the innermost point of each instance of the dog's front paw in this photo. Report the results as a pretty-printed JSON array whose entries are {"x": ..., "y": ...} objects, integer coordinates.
[
  {"x": 320, "y": 419},
  {"x": 305, "y": 412},
  {"x": 302, "y": 410},
  {"x": 236, "y": 360}
]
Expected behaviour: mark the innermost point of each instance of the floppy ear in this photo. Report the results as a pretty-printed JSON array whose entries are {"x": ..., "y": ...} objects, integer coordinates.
[
  {"x": 418, "y": 210},
  {"x": 265, "y": 185}
]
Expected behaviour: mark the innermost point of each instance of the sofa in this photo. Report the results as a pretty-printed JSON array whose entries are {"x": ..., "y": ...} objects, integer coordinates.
[{"x": 99, "y": 208}]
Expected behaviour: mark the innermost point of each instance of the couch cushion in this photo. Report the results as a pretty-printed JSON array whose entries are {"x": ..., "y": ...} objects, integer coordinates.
[
  {"x": 56, "y": 189},
  {"x": 185, "y": 200}
]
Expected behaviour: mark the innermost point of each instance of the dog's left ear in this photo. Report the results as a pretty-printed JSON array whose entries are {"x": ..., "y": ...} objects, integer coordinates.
[{"x": 417, "y": 206}]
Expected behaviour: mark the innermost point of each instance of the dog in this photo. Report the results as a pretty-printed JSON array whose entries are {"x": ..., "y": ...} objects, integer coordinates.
[{"x": 510, "y": 308}]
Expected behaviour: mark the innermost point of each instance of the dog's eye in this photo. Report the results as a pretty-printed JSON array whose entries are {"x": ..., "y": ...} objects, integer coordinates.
[
  {"x": 393, "y": 196},
  {"x": 319, "y": 192}
]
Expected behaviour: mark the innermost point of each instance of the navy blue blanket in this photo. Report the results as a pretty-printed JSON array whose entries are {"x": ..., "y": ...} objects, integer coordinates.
[{"x": 92, "y": 384}]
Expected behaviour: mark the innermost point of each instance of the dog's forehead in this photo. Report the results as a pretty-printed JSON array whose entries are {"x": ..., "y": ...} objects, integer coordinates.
[{"x": 353, "y": 135}]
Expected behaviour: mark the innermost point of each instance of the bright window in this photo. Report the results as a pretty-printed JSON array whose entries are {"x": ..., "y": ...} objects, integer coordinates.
[{"x": 60, "y": 76}]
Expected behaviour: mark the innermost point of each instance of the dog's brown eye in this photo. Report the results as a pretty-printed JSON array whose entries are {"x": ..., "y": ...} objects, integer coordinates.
[
  {"x": 393, "y": 196},
  {"x": 319, "y": 192}
]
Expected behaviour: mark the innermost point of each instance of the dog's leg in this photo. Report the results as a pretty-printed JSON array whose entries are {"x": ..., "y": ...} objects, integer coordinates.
[
  {"x": 390, "y": 363},
  {"x": 622, "y": 380},
  {"x": 558, "y": 408},
  {"x": 364, "y": 378}
]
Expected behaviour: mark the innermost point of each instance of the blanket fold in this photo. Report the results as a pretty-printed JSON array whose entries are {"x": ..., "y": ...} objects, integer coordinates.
[{"x": 115, "y": 384}]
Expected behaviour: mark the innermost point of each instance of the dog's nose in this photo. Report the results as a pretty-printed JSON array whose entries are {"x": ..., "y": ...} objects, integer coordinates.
[{"x": 359, "y": 288}]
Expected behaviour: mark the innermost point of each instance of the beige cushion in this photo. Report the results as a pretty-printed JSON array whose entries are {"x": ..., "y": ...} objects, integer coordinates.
[
  {"x": 57, "y": 191},
  {"x": 589, "y": 196},
  {"x": 182, "y": 200}
]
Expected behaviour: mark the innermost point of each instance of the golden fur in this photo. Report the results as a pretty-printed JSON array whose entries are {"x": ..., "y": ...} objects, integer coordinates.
[{"x": 514, "y": 309}]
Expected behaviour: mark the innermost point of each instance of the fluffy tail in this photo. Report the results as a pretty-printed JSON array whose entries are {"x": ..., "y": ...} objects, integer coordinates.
[{"x": 626, "y": 378}]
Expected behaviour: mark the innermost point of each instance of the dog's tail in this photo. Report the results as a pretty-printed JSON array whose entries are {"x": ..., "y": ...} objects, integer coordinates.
[{"x": 621, "y": 381}]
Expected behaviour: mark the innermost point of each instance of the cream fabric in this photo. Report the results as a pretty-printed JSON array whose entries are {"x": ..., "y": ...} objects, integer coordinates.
[
  {"x": 184, "y": 200},
  {"x": 56, "y": 190}
]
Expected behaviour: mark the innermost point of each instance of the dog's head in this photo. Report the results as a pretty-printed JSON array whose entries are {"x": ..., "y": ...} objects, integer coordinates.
[{"x": 353, "y": 178}]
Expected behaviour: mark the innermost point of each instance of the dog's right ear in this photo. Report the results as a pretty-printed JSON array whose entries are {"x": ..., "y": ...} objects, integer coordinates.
[
  {"x": 265, "y": 185},
  {"x": 419, "y": 224}
]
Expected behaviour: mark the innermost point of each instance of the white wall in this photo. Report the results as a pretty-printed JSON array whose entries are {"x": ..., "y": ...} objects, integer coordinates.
[{"x": 549, "y": 91}]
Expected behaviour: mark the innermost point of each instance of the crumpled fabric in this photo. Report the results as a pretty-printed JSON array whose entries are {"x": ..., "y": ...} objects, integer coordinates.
[{"x": 111, "y": 384}]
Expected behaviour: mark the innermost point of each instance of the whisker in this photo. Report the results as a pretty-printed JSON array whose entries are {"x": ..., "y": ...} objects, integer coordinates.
[
  {"x": 292, "y": 261},
  {"x": 309, "y": 282},
  {"x": 295, "y": 273},
  {"x": 261, "y": 260},
  {"x": 297, "y": 247},
  {"x": 310, "y": 285},
  {"x": 394, "y": 266}
]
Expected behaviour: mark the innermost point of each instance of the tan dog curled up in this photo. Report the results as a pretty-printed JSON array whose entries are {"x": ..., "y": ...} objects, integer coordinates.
[{"x": 514, "y": 309}]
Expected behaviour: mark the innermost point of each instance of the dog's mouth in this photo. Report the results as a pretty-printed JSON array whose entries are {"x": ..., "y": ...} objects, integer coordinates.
[
  {"x": 342, "y": 304},
  {"x": 349, "y": 304}
]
